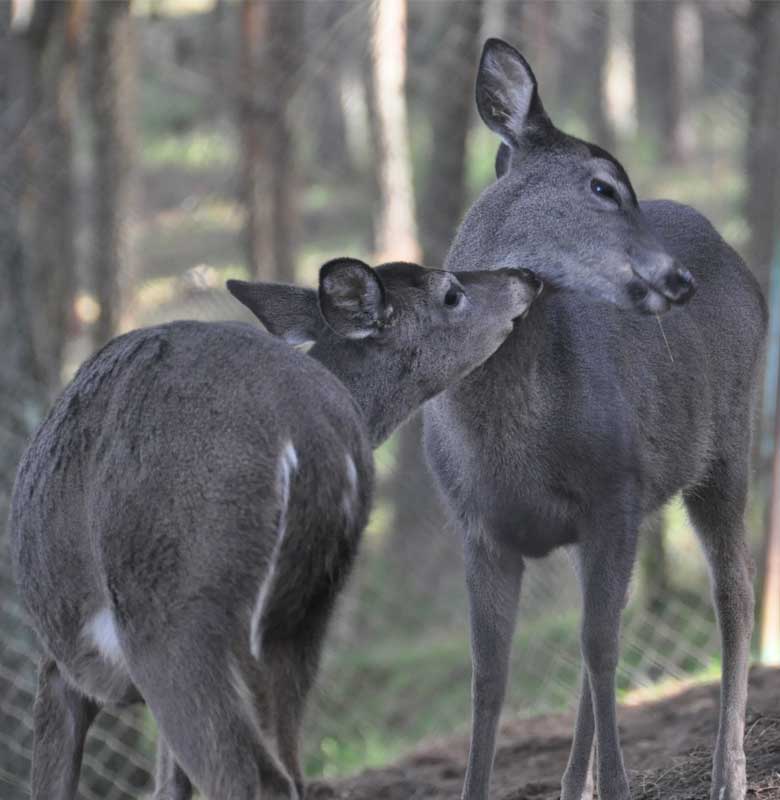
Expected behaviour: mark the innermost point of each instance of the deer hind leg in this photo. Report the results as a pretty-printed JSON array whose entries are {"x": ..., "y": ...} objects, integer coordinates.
[
  {"x": 716, "y": 510},
  {"x": 61, "y": 719},
  {"x": 290, "y": 667},
  {"x": 170, "y": 781},
  {"x": 206, "y": 713}
]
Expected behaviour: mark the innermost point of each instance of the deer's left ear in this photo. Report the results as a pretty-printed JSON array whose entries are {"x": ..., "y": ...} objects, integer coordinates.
[
  {"x": 353, "y": 301},
  {"x": 507, "y": 95},
  {"x": 289, "y": 312}
]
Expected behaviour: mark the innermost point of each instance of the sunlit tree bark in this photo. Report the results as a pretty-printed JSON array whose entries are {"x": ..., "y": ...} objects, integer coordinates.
[{"x": 396, "y": 229}]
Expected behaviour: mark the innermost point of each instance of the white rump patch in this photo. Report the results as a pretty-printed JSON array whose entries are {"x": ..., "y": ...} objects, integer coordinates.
[
  {"x": 350, "y": 495},
  {"x": 101, "y": 631},
  {"x": 286, "y": 466}
]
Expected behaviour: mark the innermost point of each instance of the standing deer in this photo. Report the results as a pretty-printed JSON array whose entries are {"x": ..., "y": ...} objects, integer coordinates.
[
  {"x": 185, "y": 516},
  {"x": 596, "y": 416}
]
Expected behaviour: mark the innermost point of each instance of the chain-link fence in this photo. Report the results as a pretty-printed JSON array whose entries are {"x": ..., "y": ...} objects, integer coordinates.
[{"x": 396, "y": 668}]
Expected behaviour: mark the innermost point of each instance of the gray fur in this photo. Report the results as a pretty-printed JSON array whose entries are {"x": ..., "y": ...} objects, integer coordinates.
[
  {"x": 586, "y": 420},
  {"x": 184, "y": 518}
]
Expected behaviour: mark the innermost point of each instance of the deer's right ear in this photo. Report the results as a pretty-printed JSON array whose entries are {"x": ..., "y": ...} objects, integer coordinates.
[
  {"x": 352, "y": 298},
  {"x": 289, "y": 312},
  {"x": 507, "y": 96}
]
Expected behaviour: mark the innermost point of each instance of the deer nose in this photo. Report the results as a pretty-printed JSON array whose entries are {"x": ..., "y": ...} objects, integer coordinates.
[{"x": 679, "y": 286}]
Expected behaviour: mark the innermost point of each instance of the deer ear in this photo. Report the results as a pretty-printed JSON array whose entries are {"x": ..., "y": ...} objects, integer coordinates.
[
  {"x": 289, "y": 312},
  {"x": 353, "y": 301},
  {"x": 507, "y": 96},
  {"x": 503, "y": 160}
]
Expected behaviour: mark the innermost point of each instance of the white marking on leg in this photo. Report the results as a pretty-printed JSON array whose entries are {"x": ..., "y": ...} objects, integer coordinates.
[
  {"x": 350, "y": 495},
  {"x": 101, "y": 631},
  {"x": 287, "y": 464}
]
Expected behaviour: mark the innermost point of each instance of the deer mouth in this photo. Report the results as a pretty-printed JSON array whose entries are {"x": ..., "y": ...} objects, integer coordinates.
[
  {"x": 675, "y": 287},
  {"x": 646, "y": 298}
]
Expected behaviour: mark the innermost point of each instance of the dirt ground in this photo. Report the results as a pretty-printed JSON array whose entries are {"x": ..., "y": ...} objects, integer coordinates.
[{"x": 667, "y": 748}]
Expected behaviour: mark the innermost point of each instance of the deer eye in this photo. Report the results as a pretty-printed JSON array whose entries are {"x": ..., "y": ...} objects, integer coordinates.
[
  {"x": 453, "y": 297},
  {"x": 605, "y": 190}
]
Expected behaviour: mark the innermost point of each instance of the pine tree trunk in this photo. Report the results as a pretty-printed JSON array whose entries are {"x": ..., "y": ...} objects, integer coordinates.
[
  {"x": 284, "y": 65},
  {"x": 762, "y": 209},
  {"x": 270, "y": 63},
  {"x": 450, "y": 105},
  {"x": 396, "y": 230},
  {"x": 657, "y": 73},
  {"x": 421, "y": 547},
  {"x": 762, "y": 199},
  {"x": 110, "y": 99},
  {"x": 253, "y": 123},
  {"x": 22, "y": 376},
  {"x": 592, "y": 61},
  {"x": 326, "y": 112}
]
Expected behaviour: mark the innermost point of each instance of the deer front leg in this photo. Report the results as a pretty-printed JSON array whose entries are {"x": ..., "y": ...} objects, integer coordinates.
[
  {"x": 577, "y": 783},
  {"x": 607, "y": 556},
  {"x": 493, "y": 579}
]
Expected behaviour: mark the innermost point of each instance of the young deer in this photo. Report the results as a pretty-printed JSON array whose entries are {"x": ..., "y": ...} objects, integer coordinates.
[
  {"x": 597, "y": 415},
  {"x": 184, "y": 518}
]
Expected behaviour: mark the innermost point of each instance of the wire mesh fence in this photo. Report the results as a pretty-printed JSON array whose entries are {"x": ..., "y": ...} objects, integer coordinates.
[{"x": 396, "y": 668}]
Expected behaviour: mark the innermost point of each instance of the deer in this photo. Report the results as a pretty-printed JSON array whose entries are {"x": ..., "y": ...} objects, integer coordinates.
[
  {"x": 634, "y": 379},
  {"x": 185, "y": 517}
]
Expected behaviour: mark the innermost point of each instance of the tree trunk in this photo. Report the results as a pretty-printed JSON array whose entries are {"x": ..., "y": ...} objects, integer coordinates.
[
  {"x": 110, "y": 106},
  {"x": 37, "y": 86},
  {"x": 421, "y": 547},
  {"x": 762, "y": 199},
  {"x": 657, "y": 74},
  {"x": 451, "y": 107},
  {"x": 255, "y": 179},
  {"x": 326, "y": 107},
  {"x": 770, "y": 602},
  {"x": 396, "y": 230},
  {"x": 284, "y": 65},
  {"x": 653, "y": 564},
  {"x": 592, "y": 61},
  {"x": 762, "y": 209},
  {"x": 23, "y": 377},
  {"x": 270, "y": 63}
]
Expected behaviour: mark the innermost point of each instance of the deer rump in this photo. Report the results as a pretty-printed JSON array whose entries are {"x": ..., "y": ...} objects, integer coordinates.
[{"x": 190, "y": 475}]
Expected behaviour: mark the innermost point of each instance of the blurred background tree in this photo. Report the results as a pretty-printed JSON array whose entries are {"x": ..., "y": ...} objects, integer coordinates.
[{"x": 151, "y": 149}]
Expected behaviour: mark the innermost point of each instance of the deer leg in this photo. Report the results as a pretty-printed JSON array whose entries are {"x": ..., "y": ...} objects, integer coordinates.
[
  {"x": 291, "y": 666},
  {"x": 61, "y": 719},
  {"x": 577, "y": 782},
  {"x": 171, "y": 783},
  {"x": 717, "y": 513},
  {"x": 493, "y": 578},
  {"x": 606, "y": 559},
  {"x": 206, "y": 712}
]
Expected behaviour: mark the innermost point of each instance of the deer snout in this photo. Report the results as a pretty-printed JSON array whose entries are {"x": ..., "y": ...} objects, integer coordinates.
[
  {"x": 679, "y": 286},
  {"x": 659, "y": 281}
]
